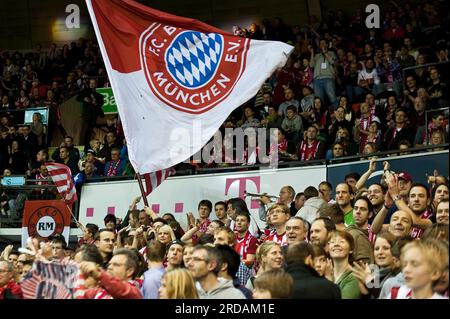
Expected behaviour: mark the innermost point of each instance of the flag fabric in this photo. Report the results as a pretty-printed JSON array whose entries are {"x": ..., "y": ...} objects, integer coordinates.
[
  {"x": 153, "y": 180},
  {"x": 175, "y": 80},
  {"x": 50, "y": 280},
  {"x": 62, "y": 178}
]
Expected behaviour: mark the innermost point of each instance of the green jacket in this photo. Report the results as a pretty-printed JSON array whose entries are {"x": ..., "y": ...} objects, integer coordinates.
[{"x": 349, "y": 286}]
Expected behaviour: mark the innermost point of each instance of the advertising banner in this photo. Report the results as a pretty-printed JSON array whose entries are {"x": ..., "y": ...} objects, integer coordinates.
[{"x": 180, "y": 195}]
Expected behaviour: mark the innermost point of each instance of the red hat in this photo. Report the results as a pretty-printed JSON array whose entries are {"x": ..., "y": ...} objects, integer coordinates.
[{"x": 405, "y": 176}]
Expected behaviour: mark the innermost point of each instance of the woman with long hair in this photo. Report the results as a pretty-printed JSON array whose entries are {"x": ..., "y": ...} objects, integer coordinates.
[
  {"x": 178, "y": 284},
  {"x": 268, "y": 257}
]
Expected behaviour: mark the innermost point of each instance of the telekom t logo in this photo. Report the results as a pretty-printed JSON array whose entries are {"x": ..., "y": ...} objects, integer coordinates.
[{"x": 243, "y": 187}]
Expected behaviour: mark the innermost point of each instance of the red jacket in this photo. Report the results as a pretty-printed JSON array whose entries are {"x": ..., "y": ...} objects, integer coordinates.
[
  {"x": 11, "y": 290},
  {"x": 114, "y": 287}
]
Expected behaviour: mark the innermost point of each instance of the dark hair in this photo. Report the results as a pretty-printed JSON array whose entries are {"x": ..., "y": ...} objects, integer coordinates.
[
  {"x": 405, "y": 142},
  {"x": 369, "y": 204},
  {"x": 292, "y": 108},
  {"x": 245, "y": 214},
  {"x": 310, "y": 192},
  {"x": 110, "y": 218},
  {"x": 326, "y": 183},
  {"x": 161, "y": 220},
  {"x": 299, "y": 194},
  {"x": 169, "y": 214},
  {"x": 231, "y": 258},
  {"x": 103, "y": 230},
  {"x": 332, "y": 212},
  {"x": 132, "y": 259},
  {"x": 297, "y": 253},
  {"x": 383, "y": 187},
  {"x": 221, "y": 203},
  {"x": 354, "y": 175},
  {"x": 435, "y": 187},
  {"x": 206, "y": 239},
  {"x": 90, "y": 253},
  {"x": 329, "y": 225},
  {"x": 319, "y": 251},
  {"x": 92, "y": 228},
  {"x": 205, "y": 202},
  {"x": 59, "y": 239},
  {"x": 238, "y": 204},
  {"x": 420, "y": 185},
  {"x": 156, "y": 251}
]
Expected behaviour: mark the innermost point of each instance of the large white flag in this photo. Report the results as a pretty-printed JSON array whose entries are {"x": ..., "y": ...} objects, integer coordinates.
[{"x": 176, "y": 79}]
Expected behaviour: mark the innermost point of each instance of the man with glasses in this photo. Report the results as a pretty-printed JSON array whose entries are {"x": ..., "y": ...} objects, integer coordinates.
[
  {"x": 205, "y": 266},
  {"x": 279, "y": 214}
]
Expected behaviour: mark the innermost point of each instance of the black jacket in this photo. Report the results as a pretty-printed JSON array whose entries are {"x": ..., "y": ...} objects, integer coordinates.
[{"x": 309, "y": 285}]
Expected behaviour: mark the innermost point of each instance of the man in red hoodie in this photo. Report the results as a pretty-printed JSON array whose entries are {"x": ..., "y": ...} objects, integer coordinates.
[{"x": 9, "y": 289}]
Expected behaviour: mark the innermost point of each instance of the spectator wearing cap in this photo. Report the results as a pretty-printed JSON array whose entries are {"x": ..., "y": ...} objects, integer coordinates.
[{"x": 404, "y": 182}]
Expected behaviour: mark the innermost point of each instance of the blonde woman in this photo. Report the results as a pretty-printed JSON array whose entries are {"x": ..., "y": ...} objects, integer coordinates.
[
  {"x": 165, "y": 235},
  {"x": 268, "y": 257},
  {"x": 178, "y": 284}
]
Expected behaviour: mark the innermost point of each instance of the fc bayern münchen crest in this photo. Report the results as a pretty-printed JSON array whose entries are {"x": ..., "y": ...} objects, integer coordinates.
[{"x": 189, "y": 70}]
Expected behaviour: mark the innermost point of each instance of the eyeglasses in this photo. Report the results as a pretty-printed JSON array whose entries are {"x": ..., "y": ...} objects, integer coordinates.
[{"x": 198, "y": 259}]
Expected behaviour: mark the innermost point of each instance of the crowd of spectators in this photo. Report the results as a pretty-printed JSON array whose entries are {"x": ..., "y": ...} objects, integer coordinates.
[
  {"x": 346, "y": 90},
  {"x": 385, "y": 240}
]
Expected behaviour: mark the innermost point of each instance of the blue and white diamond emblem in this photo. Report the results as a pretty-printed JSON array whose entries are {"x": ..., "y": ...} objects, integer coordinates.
[{"x": 193, "y": 58}]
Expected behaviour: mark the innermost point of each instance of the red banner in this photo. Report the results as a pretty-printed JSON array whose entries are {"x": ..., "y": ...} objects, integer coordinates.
[{"x": 45, "y": 218}]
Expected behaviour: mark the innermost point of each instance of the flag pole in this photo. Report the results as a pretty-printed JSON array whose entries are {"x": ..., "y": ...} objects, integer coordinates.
[{"x": 141, "y": 187}]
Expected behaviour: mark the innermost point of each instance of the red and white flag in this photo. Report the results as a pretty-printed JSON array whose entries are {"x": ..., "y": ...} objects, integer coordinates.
[
  {"x": 175, "y": 79},
  {"x": 62, "y": 178},
  {"x": 153, "y": 180}
]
